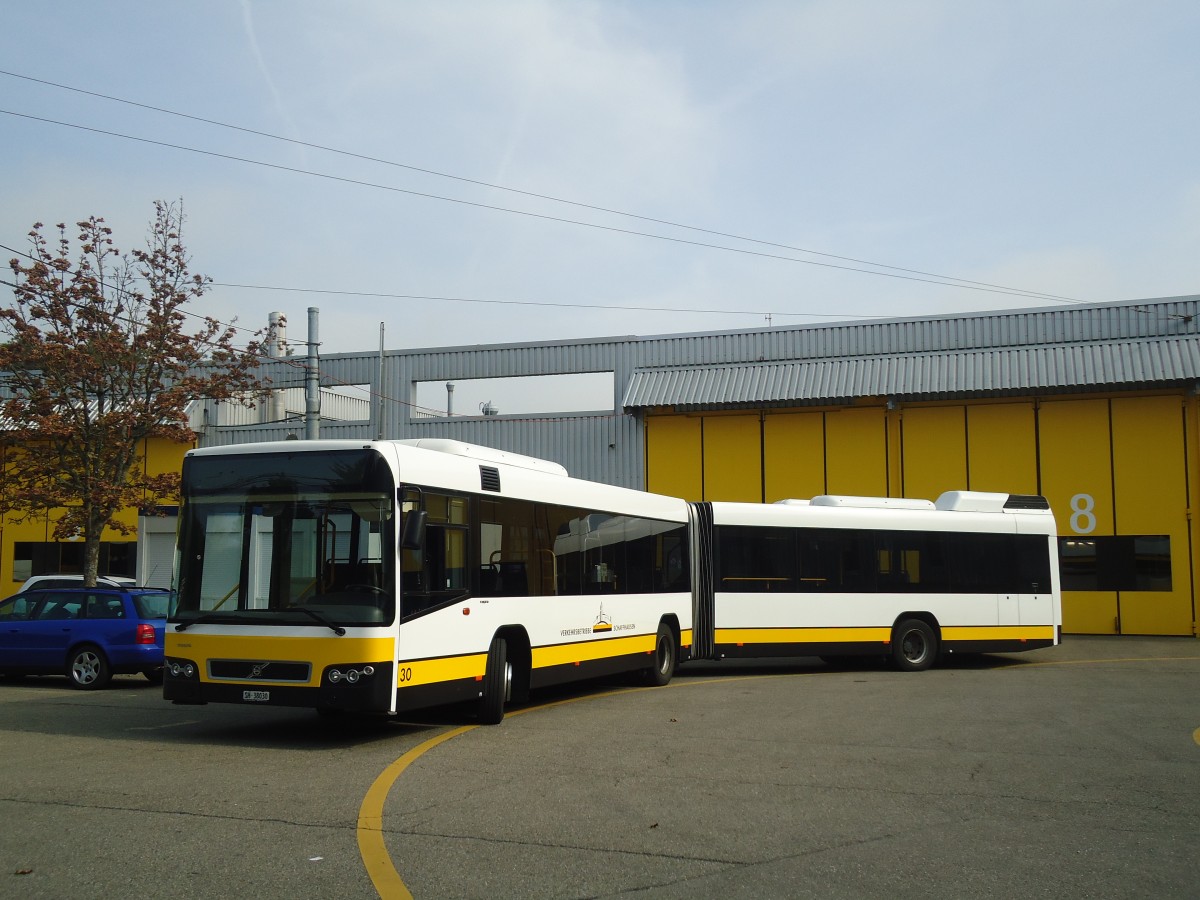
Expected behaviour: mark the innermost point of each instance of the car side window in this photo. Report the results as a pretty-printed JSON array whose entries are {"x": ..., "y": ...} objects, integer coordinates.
[
  {"x": 104, "y": 606},
  {"x": 56, "y": 607},
  {"x": 15, "y": 609}
]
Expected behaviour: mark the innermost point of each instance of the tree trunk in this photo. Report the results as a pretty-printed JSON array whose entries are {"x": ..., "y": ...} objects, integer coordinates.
[{"x": 91, "y": 557}]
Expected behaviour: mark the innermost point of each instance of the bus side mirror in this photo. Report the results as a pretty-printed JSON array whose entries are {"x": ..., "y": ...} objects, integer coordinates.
[{"x": 412, "y": 536}]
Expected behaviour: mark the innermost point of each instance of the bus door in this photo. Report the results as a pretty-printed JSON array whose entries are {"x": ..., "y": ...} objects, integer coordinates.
[
  {"x": 433, "y": 552},
  {"x": 1009, "y": 589},
  {"x": 1036, "y": 599},
  {"x": 700, "y": 527}
]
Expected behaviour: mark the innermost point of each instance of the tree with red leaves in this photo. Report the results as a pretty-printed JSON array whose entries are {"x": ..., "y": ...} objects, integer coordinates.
[{"x": 97, "y": 360}]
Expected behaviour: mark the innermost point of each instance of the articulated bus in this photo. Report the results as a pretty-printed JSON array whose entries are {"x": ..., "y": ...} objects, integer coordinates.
[
  {"x": 392, "y": 575},
  {"x": 908, "y": 579},
  {"x": 386, "y": 576}
]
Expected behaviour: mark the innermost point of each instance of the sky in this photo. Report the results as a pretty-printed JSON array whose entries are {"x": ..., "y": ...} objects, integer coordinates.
[{"x": 468, "y": 173}]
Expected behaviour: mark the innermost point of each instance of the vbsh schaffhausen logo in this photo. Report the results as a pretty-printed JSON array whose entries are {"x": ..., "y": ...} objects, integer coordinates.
[{"x": 602, "y": 624}]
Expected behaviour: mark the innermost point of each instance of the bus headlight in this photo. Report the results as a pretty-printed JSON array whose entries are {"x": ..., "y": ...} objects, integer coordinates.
[
  {"x": 180, "y": 668},
  {"x": 350, "y": 675}
]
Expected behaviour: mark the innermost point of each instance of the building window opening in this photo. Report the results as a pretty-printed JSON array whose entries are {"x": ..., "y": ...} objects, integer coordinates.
[
  {"x": 1123, "y": 562},
  {"x": 53, "y": 558}
]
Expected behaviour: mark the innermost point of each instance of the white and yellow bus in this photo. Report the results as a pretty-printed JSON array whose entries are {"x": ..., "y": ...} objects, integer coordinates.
[
  {"x": 391, "y": 575},
  {"x": 908, "y": 579}
]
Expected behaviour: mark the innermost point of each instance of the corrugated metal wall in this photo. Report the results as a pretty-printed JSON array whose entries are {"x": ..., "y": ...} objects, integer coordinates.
[{"x": 604, "y": 447}]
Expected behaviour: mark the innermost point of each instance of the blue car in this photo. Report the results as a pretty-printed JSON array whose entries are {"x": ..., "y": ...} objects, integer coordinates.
[{"x": 87, "y": 634}]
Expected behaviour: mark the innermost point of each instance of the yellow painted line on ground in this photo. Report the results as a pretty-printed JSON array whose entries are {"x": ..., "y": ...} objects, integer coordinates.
[
  {"x": 374, "y": 852},
  {"x": 378, "y": 863},
  {"x": 1095, "y": 662}
]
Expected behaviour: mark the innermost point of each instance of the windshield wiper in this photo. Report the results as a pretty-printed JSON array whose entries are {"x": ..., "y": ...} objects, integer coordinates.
[
  {"x": 227, "y": 618},
  {"x": 202, "y": 620},
  {"x": 337, "y": 629}
]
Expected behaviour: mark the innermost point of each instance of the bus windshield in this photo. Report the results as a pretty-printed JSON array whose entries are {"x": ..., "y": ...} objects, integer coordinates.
[{"x": 292, "y": 538}]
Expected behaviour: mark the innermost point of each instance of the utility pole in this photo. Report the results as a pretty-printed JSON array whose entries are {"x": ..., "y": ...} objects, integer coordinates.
[{"x": 312, "y": 382}]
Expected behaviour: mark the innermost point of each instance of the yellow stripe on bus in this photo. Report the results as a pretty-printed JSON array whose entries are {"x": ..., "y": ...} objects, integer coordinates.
[
  {"x": 319, "y": 651},
  {"x": 322, "y": 652},
  {"x": 584, "y": 651},
  {"x": 439, "y": 669},
  {"x": 742, "y": 636},
  {"x": 997, "y": 633},
  {"x": 801, "y": 635}
]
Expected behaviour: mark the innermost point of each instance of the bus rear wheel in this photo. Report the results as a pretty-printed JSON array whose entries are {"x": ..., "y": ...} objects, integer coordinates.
[
  {"x": 497, "y": 678},
  {"x": 914, "y": 645},
  {"x": 666, "y": 656}
]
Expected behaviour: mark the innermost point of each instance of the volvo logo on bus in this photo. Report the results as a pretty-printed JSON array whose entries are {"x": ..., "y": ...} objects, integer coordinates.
[{"x": 258, "y": 669}]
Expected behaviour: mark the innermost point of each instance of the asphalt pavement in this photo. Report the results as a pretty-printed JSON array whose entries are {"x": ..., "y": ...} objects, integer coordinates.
[{"x": 1067, "y": 772}]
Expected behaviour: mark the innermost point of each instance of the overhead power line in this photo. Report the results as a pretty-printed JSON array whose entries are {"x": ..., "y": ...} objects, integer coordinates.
[
  {"x": 612, "y": 306},
  {"x": 546, "y": 303},
  {"x": 297, "y": 363},
  {"x": 1014, "y": 292},
  {"x": 534, "y": 194}
]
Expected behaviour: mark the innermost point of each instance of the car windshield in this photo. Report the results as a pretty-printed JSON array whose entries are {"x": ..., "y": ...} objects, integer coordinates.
[{"x": 152, "y": 606}]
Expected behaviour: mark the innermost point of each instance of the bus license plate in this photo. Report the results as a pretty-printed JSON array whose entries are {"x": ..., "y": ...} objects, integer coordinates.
[{"x": 256, "y": 696}]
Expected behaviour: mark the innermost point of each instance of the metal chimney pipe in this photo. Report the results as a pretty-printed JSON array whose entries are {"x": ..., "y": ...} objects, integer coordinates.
[
  {"x": 276, "y": 409},
  {"x": 379, "y": 398}
]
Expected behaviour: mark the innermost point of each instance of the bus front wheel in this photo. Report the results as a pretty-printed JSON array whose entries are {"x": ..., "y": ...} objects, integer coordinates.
[
  {"x": 497, "y": 677},
  {"x": 914, "y": 645}
]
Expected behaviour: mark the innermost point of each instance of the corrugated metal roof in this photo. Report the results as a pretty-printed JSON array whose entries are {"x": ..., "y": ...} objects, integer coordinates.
[{"x": 1063, "y": 367}]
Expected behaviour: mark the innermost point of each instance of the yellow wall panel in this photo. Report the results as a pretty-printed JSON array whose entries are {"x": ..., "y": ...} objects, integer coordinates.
[
  {"x": 1192, "y": 454},
  {"x": 1148, "y": 464},
  {"x": 1076, "y": 463},
  {"x": 1151, "y": 498},
  {"x": 1002, "y": 448},
  {"x": 934, "y": 451},
  {"x": 733, "y": 458},
  {"x": 159, "y": 456},
  {"x": 165, "y": 456},
  {"x": 856, "y": 452},
  {"x": 1089, "y": 612},
  {"x": 674, "y": 457},
  {"x": 793, "y": 456},
  {"x": 1075, "y": 454}
]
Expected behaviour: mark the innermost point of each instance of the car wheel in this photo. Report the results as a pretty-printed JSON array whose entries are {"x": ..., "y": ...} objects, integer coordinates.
[
  {"x": 88, "y": 669},
  {"x": 154, "y": 676}
]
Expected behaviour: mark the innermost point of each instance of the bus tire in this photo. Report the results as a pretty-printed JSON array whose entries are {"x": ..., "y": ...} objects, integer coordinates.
[
  {"x": 666, "y": 657},
  {"x": 914, "y": 645},
  {"x": 497, "y": 677}
]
